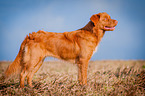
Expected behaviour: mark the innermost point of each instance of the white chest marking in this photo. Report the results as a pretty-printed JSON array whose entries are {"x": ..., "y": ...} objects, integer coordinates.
[{"x": 95, "y": 50}]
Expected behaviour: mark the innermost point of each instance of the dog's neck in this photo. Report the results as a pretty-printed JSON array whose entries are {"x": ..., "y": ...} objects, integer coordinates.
[
  {"x": 99, "y": 33},
  {"x": 88, "y": 27},
  {"x": 95, "y": 30}
]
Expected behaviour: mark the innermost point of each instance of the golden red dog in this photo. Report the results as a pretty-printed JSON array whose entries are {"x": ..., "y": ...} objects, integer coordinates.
[{"x": 76, "y": 45}]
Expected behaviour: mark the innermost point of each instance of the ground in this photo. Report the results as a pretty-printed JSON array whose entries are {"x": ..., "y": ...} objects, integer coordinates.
[{"x": 59, "y": 78}]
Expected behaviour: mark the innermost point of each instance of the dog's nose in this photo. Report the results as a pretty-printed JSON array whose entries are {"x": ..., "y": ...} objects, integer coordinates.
[{"x": 116, "y": 22}]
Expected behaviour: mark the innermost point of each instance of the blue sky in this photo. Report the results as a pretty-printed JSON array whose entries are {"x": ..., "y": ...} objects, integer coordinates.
[{"x": 20, "y": 17}]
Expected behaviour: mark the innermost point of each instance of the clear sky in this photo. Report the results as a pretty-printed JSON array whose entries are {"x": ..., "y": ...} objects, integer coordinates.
[{"x": 20, "y": 17}]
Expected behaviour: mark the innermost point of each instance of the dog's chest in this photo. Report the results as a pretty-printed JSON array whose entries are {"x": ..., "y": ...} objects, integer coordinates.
[{"x": 95, "y": 50}]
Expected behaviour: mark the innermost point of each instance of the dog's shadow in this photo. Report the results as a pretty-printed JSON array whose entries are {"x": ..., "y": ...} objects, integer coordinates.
[
  {"x": 17, "y": 85},
  {"x": 6, "y": 85}
]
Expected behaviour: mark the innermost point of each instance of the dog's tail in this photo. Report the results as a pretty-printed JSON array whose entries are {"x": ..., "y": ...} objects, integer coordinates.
[{"x": 15, "y": 67}]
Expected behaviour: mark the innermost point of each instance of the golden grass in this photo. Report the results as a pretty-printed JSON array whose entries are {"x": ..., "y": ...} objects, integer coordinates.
[{"x": 60, "y": 78}]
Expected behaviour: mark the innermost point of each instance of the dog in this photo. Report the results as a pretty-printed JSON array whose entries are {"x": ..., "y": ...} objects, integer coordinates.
[{"x": 77, "y": 45}]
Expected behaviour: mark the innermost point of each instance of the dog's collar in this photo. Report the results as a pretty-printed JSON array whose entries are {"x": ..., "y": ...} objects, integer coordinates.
[{"x": 93, "y": 23}]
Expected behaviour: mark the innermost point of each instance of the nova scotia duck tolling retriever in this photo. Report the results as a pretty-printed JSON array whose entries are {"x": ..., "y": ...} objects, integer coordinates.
[{"x": 76, "y": 45}]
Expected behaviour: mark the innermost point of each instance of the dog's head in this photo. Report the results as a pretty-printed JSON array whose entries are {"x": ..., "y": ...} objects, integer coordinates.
[{"x": 103, "y": 21}]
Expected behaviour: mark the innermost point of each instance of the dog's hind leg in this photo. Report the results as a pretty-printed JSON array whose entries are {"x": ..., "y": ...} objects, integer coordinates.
[
  {"x": 23, "y": 76},
  {"x": 32, "y": 59},
  {"x": 33, "y": 71},
  {"x": 25, "y": 62},
  {"x": 29, "y": 70}
]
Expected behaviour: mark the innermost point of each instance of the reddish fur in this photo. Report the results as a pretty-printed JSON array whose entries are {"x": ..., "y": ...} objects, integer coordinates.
[{"x": 76, "y": 45}]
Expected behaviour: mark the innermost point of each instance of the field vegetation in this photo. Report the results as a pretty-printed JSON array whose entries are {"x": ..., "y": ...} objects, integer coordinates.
[{"x": 59, "y": 78}]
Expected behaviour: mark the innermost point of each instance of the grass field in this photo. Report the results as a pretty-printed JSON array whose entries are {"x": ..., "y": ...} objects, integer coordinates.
[{"x": 59, "y": 78}]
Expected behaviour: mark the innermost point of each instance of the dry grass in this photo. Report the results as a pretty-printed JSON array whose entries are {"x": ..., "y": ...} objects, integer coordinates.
[{"x": 60, "y": 79}]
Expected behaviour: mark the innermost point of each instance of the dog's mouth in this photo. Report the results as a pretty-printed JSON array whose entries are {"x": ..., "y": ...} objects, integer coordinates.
[{"x": 109, "y": 28}]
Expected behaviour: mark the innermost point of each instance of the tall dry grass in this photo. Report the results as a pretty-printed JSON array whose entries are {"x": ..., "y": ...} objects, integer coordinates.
[{"x": 59, "y": 78}]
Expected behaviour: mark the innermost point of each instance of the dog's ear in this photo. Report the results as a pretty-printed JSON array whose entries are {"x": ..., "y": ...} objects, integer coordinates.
[{"x": 95, "y": 18}]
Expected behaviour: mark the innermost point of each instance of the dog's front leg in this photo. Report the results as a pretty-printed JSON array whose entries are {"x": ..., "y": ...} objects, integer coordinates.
[
  {"x": 79, "y": 73},
  {"x": 82, "y": 71}
]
